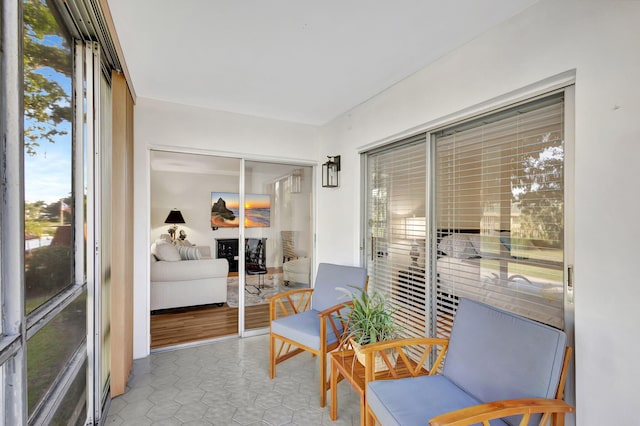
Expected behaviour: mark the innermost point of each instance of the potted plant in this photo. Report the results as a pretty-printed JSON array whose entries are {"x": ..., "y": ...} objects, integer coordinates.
[{"x": 369, "y": 320}]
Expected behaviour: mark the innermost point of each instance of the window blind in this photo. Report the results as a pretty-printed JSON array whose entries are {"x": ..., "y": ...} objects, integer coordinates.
[
  {"x": 498, "y": 214},
  {"x": 396, "y": 188}
]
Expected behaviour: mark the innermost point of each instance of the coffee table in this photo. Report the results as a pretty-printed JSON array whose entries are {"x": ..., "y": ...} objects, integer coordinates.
[{"x": 345, "y": 364}]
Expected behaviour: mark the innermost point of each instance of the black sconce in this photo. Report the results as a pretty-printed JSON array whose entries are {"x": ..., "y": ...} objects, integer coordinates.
[{"x": 330, "y": 171}]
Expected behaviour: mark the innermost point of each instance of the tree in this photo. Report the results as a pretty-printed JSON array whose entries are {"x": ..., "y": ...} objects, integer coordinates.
[
  {"x": 539, "y": 192},
  {"x": 35, "y": 221},
  {"x": 46, "y": 103},
  {"x": 53, "y": 210}
]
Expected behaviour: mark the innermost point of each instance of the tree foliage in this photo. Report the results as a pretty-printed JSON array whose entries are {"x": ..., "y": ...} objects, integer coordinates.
[
  {"x": 46, "y": 103},
  {"x": 40, "y": 217},
  {"x": 539, "y": 191}
]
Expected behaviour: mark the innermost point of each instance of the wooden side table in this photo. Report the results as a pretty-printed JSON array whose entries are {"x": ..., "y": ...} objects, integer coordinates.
[{"x": 345, "y": 364}]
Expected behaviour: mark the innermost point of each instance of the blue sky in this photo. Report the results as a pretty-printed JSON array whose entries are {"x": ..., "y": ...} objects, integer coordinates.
[{"x": 47, "y": 175}]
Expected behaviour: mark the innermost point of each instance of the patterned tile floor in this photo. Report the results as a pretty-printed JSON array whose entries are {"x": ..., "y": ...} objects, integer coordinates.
[{"x": 227, "y": 383}]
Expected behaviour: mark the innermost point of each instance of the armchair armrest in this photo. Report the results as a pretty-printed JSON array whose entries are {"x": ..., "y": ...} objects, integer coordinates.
[
  {"x": 498, "y": 409},
  {"x": 421, "y": 345},
  {"x": 332, "y": 315},
  {"x": 289, "y": 303}
]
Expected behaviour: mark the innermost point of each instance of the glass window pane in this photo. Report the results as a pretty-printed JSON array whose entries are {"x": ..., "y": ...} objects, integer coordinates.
[
  {"x": 396, "y": 230},
  {"x": 48, "y": 157},
  {"x": 500, "y": 209},
  {"x": 73, "y": 409},
  {"x": 50, "y": 349},
  {"x": 278, "y": 244}
]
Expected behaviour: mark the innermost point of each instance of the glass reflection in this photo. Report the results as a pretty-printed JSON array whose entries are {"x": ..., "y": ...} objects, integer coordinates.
[
  {"x": 73, "y": 409},
  {"x": 277, "y": 256},
  {"x": 49, "y": 350},
  {"x": 48, "y": 157}
]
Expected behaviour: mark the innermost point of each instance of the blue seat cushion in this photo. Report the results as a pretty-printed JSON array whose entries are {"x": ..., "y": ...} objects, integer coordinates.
[
  {"x": 416, "y": 400},
  {"x": 330, "y": 278},
  {"x": 495, "y": 355},
  {"x": 303, "y": 328}
]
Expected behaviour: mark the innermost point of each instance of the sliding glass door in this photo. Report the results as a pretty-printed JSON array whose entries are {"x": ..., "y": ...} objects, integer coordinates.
[
  {"x": 479, "y": 210},
  {"x": 395, "y": 229},
  {"x": 277, "y": 229},
  {"x": 256, "y": 216},
  {"x": 499, "y": 213},
  {"x": 47, "y": 348}
]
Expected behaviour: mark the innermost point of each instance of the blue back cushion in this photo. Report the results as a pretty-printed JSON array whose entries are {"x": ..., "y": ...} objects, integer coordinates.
[
  {"x": 330, "y": 277},
  {"x": 496, "y": 355}
]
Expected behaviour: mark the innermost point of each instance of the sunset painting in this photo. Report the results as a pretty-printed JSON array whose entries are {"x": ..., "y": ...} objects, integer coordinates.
[{"x": 225, "y": 210}]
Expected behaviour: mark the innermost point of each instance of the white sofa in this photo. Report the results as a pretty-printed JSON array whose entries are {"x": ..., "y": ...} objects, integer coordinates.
[{"x": 178, "y": 283}]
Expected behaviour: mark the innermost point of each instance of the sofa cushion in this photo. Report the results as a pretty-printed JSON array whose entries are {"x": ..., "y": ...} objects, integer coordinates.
[
  {"x": 495, "y": 355},
  {"x": 188, "y": 270},
  {"x": 189, "y": 253},
  {"x": 303, "y": 328},
  {"x": 165, "y": 251},
  {"x": 296, "y": 266},
  {"x": 416, "y": 400}
]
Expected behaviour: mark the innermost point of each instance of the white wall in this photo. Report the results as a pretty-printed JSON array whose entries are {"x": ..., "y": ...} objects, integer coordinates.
[
  {"x": 178, "y": 127},
  {"x": 600, "y": 41},
  {"x": 191, "y": 194}
]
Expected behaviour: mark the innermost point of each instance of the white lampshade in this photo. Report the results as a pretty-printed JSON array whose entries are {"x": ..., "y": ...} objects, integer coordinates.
[{"x": 415, "y": 228}]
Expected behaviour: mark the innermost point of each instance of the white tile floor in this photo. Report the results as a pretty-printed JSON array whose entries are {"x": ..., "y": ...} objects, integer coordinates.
[{"x": 227, "y": 383}]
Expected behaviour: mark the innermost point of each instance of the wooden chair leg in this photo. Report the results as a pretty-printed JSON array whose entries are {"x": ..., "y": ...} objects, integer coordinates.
[
  {"x": 272, "y": 357},
  {"x": 323, "y": 380},
  {"x": 363, "y": 411},
  {"x": 369, "y": 420},
  {"x": 333, "y": 412}
]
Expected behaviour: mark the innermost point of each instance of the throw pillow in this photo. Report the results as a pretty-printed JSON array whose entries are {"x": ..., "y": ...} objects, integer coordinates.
[
  {"x": 189, "y": 253},
  {"x": 166, "y": 252},
  {"x": 184, "y": 242}
]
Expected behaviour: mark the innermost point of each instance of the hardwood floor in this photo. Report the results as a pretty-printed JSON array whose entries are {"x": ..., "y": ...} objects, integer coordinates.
[{"x": 185, "y": 325}]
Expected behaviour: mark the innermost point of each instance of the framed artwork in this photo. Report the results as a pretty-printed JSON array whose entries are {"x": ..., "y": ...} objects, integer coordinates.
[{"x": 225, "y": 210}]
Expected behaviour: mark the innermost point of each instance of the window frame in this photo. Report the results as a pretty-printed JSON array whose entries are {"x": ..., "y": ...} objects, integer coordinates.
[{"x": 17, "y": 326}]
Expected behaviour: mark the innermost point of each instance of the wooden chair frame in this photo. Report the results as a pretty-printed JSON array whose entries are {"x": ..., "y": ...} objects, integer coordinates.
[
  {"x": 291, "y": 303},
  {"x": 551, "y": 409}
]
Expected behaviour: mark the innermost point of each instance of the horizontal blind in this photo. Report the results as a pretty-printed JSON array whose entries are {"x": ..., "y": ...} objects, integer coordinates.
[
  {"x": 499, "y": 209},
  {"x": 396, "y": 191}
]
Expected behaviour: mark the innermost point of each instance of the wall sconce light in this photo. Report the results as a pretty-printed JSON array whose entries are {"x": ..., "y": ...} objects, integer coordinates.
[
  {"x": 175, "y": 217},
  {"x": 330, "y": 171},
  {"x": 295, "y": 181}
]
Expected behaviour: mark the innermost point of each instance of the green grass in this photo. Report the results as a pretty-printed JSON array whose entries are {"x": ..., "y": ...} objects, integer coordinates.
[{"x": 50, "y": 349}]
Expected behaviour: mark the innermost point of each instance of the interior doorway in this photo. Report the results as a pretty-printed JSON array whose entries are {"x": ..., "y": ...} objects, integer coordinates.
[{"x": 222, "y": 201}]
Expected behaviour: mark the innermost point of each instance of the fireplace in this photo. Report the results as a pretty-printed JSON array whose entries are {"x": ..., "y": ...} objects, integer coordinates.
[{"x": 227, "y": 248}]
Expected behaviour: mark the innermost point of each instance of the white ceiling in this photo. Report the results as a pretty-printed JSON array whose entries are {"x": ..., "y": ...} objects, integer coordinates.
[{"x": 304, "y": 61}]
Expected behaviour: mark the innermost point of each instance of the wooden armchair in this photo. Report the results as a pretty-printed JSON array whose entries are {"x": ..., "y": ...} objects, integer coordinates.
[
  {"x": 497, "y": 367},
  {"x": 310, "y": 319}
]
